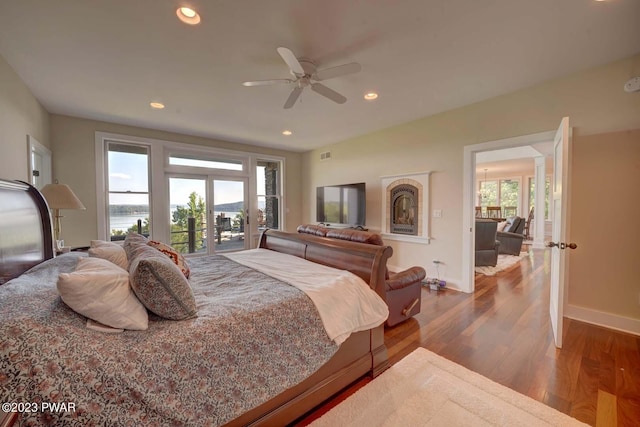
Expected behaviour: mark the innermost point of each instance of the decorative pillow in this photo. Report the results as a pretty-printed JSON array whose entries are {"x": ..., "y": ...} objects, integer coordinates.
[
  {"x": 502, "y": 225},
  {"x": 99, "y": 290},
  {"x": 132, "y": 243},
  {"x": 110, "y": 251},
  {"x": 161, "y": 286},
  {"x": 175, "y": 256}
]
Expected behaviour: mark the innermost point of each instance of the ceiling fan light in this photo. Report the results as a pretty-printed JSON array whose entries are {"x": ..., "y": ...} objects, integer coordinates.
[
  {"x": 188, "y": 15},
  {"x": 370, "y": 96}
]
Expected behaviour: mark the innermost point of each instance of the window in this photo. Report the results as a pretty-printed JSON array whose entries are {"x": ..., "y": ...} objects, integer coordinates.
[
  {"x": 547, "y": 195},
  {"x": 201, "y": 161},
  {"x": 268, "y": 191},
  {"x": 501, "y": 192},
  {"x": 143, "y": 181},
  {"x": 509, "y": 193},
  {"x": 127, "y": 189},
  {"x": 489, "y": 193}
]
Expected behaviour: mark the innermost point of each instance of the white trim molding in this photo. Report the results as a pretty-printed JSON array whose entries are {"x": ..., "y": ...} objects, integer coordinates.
[
  {"x": 601, "y": 318},
  {"x": 468, "y": 196},
  {"x": 419, "y": 180}
]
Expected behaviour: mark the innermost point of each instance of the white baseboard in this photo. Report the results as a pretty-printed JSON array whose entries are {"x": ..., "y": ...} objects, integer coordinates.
[{"x": 600, "y": 318}]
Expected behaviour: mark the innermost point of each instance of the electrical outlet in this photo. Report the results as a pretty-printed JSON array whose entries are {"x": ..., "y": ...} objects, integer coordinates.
[{"x": 437, "y": 213}]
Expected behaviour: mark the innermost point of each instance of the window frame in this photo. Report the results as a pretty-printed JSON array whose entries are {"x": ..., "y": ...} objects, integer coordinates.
[
  {"x": 159, "y": 153},
  {"x": 279, "y": 189},
  {"x": 498, "y": 181}
]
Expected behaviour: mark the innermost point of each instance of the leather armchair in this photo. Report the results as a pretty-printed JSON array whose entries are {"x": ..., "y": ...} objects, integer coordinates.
[
  {"x": 487, "y": 246},
  {"x": 511, "y": 238},
  {"x": 403, "y": 289}
]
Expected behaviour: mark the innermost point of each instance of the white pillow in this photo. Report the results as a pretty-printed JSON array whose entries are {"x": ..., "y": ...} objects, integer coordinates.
[
  {"x": 99, "y": 290},
  {"x": 110, "y": 251},
  {"x": 502, "y": 225}
]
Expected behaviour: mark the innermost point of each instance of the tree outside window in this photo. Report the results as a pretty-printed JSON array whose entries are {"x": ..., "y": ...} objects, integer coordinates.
[
  {"x": 509, "y": 193},
  {"x": 547, "y": 193}
]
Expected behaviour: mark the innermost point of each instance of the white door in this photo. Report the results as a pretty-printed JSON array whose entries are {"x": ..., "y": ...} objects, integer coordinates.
[
  {"x": 230, "y": 214},
  {"x": 560, "y": 227}
]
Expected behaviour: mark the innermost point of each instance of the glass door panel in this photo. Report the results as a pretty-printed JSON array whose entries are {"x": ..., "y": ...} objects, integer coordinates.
[
  {"x": 188, "y": 214},
  {"x": 229, "y": 214}
]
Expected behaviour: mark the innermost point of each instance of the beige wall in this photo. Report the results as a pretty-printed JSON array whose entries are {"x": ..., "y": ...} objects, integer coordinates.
[
  {"x": 605, "y": 270},
  {"x": 73, "y": 142},
  {"x": 20, "y": 115},
  {"x": 596, "y": 104}
]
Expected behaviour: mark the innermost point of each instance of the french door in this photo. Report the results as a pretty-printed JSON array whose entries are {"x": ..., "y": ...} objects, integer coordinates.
[
  {"x": 207, "y": 214},
  {"x": 229, "y": 213}
]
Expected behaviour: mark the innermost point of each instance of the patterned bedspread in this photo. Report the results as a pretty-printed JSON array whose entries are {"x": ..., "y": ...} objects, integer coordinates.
[{"x": 253, "y": 338}]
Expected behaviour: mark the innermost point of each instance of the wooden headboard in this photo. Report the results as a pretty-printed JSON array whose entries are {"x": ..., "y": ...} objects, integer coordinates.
[{"x": 26, "y": 234}]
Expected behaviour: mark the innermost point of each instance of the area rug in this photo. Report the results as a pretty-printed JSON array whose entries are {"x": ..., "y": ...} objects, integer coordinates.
[
  {"x": 424, "y": 389},
  {"x": 504, "y": 262}
]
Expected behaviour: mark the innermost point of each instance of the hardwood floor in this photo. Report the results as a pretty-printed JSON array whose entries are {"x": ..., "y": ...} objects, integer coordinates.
[{"x": 503, "y": 332}]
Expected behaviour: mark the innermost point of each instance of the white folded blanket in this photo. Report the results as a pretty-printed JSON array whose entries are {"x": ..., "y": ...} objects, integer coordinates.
[{"x": 345, "y": 302}]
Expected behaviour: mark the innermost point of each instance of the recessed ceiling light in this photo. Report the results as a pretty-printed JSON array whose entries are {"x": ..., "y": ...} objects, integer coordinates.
[
  {"x": 156, "y": 105},
  {"x": 370, "y": 96},
  {"x": 286, "y": 132},
  {"x": 188, "y": 15}
]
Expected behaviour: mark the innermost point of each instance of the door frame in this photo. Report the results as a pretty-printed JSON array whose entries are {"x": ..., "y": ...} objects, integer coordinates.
[
  {"x": 46, "y": 176},
  {"x": 468, "y": 196}
]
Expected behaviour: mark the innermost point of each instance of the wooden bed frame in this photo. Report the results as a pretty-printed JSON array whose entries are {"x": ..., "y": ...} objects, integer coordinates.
[{"x": 24, "y": 212}]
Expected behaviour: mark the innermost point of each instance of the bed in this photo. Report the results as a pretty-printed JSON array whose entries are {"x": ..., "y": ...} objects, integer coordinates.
[{"x": 197, "y": 371}]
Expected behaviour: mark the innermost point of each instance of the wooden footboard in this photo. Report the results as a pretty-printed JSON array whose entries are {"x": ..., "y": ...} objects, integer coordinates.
[
  {"x": 363, "y": 353},
  {"x": 366, "y": 261},
  {"x": 354, "y": 359}
]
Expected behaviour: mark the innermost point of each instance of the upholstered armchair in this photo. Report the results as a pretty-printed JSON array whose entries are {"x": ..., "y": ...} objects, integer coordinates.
[
  {"x": 511, "y": 237},
  {"x": 403, "y": 289},
  {"x": 487, "y": 246}
]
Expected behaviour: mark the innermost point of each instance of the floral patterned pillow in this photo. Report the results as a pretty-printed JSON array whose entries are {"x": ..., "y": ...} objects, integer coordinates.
[
  {"x": 175, "y": 256},
  {"x": 132, "y": 243},
  {"x": 160, "y": 285}
]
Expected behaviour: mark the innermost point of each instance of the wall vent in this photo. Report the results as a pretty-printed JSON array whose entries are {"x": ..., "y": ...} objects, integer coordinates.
[{"x": 325, "y": 156}]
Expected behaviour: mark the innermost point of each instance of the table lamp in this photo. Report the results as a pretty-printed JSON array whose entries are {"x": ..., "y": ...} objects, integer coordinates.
[{"x": 60, "y": 196}]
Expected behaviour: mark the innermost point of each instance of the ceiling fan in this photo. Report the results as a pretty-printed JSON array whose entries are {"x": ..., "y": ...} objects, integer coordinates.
[{"x": 306, "y": 74}]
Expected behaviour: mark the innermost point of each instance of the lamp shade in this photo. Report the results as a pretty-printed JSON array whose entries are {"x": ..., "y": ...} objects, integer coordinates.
[{"x": 60, "y": 196}]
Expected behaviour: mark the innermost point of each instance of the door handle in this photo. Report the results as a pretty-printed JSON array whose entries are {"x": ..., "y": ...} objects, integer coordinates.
[{"x": 562, "y": 245}]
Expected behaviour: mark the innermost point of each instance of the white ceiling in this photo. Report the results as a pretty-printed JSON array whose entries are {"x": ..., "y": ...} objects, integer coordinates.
[{"x": 107, "y": 59}]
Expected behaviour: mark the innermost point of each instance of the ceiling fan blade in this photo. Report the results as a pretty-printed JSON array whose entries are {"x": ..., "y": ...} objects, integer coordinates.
[
  {"x": 267, "y": 82},
  {"x": 291, "y": 60},
  {"x": 328, "y": 93},
  {"x": 293, "y": 97},
  {"x": 340, "y": 70}
]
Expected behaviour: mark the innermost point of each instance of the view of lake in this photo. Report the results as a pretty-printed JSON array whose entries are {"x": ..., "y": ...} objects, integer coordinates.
[{"x": 124, "y": 222}]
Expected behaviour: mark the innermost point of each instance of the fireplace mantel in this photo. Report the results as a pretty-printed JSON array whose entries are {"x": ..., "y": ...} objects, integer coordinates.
[{"x": 399, "y": 220}]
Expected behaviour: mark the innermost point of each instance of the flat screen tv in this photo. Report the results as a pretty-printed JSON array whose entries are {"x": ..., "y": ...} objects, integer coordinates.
[{"x": 342, "y": 204}]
